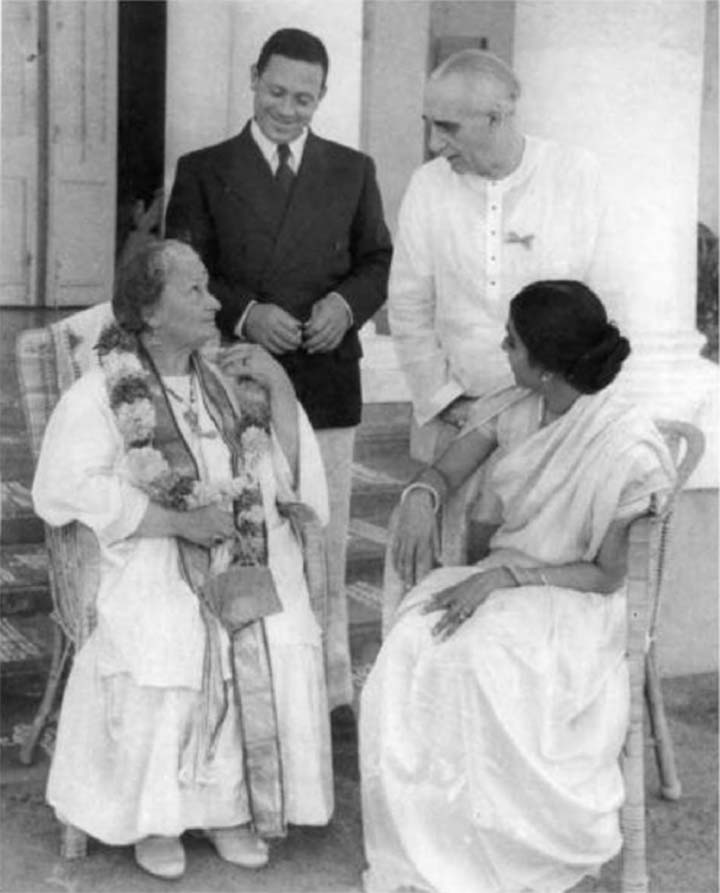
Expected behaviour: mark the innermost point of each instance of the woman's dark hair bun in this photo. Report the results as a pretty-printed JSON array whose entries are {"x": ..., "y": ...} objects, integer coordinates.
[
  {"x": 598, "y": 367},
  {"x": 565, "y": 329}
]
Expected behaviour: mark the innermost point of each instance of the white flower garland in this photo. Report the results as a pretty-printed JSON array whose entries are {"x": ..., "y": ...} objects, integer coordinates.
[{"x": 144, "y": 465}]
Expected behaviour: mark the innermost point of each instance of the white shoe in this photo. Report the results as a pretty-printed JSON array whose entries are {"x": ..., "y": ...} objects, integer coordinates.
[
  {"x": 162, "y": 856},
  {"x": 239, "y": 845}
]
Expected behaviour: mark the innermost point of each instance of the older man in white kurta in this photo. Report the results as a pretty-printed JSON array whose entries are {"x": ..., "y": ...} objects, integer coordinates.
[{"x": 495, "y": 211}]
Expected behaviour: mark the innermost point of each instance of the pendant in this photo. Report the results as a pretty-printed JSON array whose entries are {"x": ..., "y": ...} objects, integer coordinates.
[{"x": 193, "y": 420}]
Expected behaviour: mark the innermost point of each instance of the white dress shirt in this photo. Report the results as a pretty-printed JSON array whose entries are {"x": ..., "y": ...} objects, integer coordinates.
[
  {"x": 466, "y": 245},
  {"x": 269, "y": 148}
]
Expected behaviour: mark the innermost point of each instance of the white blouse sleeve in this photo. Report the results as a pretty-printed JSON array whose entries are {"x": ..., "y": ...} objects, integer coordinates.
[{"x": 77, "y": 475}]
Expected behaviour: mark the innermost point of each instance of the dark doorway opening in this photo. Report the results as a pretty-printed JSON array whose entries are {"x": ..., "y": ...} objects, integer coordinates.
[{"x": 142, "y": 27}]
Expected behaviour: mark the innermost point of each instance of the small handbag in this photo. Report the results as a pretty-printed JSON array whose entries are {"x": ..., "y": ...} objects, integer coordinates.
[{"x": 242, "y": 594}]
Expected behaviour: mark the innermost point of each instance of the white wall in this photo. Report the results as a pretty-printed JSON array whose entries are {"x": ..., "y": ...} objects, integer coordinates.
[
  {"x": 625, "y": 79},
  {"x": 396, "y": 67},
  {"x": 213, "y": 43},
  {"x": 708, "y": 187}
]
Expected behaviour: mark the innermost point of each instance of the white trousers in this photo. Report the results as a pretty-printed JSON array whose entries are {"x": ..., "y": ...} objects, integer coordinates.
[{"x": 336, "y": 448}]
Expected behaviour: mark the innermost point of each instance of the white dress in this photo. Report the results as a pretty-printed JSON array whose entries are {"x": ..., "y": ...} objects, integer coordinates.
[
  {"x": 490, "y": 761},
  {"x": 133, "y": 690}
]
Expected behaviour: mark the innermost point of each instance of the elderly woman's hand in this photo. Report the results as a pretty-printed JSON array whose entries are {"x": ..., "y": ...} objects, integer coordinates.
[
  {"x": 256, "y": 362},
  {"x": 459, "y": 602},
  {"x": 416, "y": 547},
  {"x": 207, "y": 526}
]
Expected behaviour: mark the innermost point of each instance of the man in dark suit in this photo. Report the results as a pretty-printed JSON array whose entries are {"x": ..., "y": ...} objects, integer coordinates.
[{"x": 291, "y": 229}]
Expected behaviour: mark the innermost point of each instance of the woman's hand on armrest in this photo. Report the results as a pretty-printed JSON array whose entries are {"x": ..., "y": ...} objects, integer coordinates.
[
  {"x": 415, "y": 546},
  {"x": 205, "y": 526}
]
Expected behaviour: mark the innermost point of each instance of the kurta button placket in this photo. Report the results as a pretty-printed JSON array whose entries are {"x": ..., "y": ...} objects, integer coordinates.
[{"x": 493, "y": 227}]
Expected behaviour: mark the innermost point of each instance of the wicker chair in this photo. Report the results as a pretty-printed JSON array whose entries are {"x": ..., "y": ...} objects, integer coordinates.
[
  {"x": 646, "y": 566},
  {"x": 46, "y": 367}
]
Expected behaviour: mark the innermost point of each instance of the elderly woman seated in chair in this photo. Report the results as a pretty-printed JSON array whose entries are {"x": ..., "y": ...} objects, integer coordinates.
[
  {"x": 198, "y": 701},
  {"x": 492, "y": 722}
]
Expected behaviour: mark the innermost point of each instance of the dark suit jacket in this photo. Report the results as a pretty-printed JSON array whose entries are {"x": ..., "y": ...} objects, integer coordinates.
[{"x": 332, "y": 237}]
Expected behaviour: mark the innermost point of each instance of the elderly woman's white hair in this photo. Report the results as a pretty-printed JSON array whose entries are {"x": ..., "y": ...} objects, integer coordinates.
[
  {"x": 140, "y": 280},
  {"x": 480, "y": 65}
]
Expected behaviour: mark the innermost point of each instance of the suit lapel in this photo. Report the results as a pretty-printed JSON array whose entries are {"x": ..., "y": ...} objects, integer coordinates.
[
  {"x": 246, "y": 176},
  {"x": 311, "y": 183}
]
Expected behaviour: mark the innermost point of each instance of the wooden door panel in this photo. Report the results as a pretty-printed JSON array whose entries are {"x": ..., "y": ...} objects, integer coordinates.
[
  {"x": 19, "y": 190},
  {"x": 82, "y": 57}
]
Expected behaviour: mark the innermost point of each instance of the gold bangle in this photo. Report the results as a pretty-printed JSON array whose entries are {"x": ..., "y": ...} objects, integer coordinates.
[
  {"x": 435, "y": 479},
  {"x": 419, "y": 485}
]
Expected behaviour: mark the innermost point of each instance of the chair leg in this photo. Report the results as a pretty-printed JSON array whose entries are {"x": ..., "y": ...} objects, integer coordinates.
[
  {"x": 634, "y": 876},
  {"x": 60, "y": 652},
  {"x": 670, "y": 786},
  {"x": 73, "y": 844}
]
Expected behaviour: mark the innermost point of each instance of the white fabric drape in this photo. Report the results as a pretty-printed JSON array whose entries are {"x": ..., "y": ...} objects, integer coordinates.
[
  {"x": 490, "y": 761},
  {"x": 134, "y": 685}
]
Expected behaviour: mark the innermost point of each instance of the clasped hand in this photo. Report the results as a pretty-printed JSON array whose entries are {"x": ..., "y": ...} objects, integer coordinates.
[
  {"x": 208, "y": 526},
  {"x": 279, "y": 332},
  {"x": 459, "y": 602}
]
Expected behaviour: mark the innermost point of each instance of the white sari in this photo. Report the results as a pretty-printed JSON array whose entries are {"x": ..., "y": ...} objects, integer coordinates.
[{"x": 490, "y": 761}]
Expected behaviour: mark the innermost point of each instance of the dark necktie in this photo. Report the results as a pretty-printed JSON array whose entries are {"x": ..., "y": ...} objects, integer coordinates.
[{"x": 284, "y": 175}]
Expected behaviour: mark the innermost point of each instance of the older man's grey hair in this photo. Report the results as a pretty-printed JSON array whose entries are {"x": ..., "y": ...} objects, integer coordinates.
[
  {"x": 139, "y": 282},
  {"x": 475, "y": 65}
]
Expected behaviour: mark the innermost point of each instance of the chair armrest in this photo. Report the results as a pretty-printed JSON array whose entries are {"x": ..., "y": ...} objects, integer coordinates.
[{"x": 74, "y": 564}]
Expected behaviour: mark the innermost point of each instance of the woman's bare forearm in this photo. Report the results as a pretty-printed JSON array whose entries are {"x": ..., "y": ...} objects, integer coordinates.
[{"x": 605, "y": 574}]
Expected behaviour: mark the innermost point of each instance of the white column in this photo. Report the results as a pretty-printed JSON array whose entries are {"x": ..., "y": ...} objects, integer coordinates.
[
  {"x": 396, "y": 58},
  {"x": 625, "y": 79}
]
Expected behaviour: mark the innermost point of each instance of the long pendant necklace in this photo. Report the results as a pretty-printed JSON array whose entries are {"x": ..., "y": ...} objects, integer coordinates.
[{"x": 190, "y": 413}]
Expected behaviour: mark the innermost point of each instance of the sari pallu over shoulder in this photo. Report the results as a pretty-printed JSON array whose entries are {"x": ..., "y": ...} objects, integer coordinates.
[{"x": 577, "y": 467}]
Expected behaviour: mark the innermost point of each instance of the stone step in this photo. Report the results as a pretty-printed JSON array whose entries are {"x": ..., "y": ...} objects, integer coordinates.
[
  {"x": 24, "y": 587},
  {"x": 25, "y": 645},
  {"x": 385, "y": 427},
  {"x": 20, "y": 524}
]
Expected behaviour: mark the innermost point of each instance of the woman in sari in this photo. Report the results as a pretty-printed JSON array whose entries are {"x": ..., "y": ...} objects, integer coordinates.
[
  {"x": 198, "y": 701},
  {"x": 493, "y": 719}
]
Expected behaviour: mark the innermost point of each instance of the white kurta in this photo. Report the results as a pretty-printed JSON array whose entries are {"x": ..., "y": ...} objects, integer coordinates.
[
  {"x": 489, "y": 761},
  {"x": 466, "y": 245},
  {"x": 134, "y": 686}
]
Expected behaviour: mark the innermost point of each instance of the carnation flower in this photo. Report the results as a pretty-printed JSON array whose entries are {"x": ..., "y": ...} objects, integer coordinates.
[
  {"x": 114, "y": 338},
  {"x": 254, "y": 443},
  {"x": 243, "y": 481},
  {"x": 253, "y": 515},
  {"x": 136, "y": 421},
  {"x": 129, "y": 389},
  {"x": 117, "y": 365},
  {"x": 209, "y": 492},
  {"x": 144, "y": 464}
]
